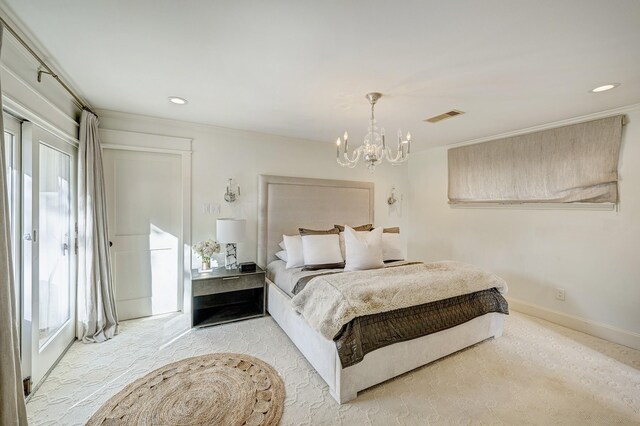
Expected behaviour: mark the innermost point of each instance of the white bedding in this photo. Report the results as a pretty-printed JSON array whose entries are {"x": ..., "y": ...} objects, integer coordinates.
[{"x": 286, "y": 279}]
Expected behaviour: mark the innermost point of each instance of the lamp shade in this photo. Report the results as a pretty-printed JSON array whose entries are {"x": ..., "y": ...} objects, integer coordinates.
[{"x": 230, "y": 230}]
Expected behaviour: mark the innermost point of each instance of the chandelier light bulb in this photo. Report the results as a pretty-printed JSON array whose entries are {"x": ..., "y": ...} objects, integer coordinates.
[
  {"x": 338, "y": 141},
  {"x": 408, "y": 136},
  {"x": 346, "y": 136}
]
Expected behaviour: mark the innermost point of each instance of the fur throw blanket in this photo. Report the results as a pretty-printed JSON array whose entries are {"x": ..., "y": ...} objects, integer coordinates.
[{"x": 328, "y": 302}]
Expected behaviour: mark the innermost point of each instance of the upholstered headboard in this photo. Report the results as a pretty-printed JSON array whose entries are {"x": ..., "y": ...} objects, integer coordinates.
[{"x": 288, "y": 203}]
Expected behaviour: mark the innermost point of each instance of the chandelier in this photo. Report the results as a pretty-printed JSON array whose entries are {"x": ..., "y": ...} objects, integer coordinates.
[{"x": 374, "y": 147}]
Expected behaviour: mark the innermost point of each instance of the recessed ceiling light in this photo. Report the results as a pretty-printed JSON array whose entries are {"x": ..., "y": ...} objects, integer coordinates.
[
  {"x": 176, "y": 100},
  {"x": 605, "y": 87}
]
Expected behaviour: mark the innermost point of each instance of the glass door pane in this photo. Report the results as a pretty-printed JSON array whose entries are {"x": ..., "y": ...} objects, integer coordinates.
[
  {"x": 55, "y": 242},
  {"x": 48, "y": 257}
]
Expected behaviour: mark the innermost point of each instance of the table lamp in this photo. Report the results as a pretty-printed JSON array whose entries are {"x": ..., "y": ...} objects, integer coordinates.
[{"x": 230, "y": 232}]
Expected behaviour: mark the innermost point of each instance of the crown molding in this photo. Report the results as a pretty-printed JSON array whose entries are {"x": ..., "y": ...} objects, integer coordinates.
[{"x": 547, "y": 126}]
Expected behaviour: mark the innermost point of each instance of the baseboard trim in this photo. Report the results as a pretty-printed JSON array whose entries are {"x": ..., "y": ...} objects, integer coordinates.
[{"x": 594, "y": 328}]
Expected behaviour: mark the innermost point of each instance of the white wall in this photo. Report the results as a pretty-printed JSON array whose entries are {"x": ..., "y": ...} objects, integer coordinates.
[
  {"x": 44, "y": 103},
  {"x": 220, "y": 153},
  {"x": 593, "y": 255}
]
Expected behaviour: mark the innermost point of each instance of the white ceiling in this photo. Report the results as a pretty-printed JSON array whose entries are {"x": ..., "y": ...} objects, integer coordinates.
[{"x": 301, "y": 68}]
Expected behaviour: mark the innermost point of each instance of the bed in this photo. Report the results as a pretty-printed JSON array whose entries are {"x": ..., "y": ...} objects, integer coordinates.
[{"x": 287, "y": 203}]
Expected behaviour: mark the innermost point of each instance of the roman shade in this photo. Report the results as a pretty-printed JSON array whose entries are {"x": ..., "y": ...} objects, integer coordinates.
[{"x": 577, "y": 163}]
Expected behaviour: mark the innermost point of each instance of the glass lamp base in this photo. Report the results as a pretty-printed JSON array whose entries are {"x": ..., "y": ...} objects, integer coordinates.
[{"x": 231, "y": 257}]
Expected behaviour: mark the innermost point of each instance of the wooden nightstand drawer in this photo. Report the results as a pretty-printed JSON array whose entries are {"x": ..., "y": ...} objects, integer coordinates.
[{"x": 205, "y": 286}]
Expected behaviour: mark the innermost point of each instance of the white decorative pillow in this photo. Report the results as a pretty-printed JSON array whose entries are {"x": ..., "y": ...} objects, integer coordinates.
[
  {"x": 322, "y": 250},
  {"x": 293, "y": 246},
  {"x": 282, "y": 255},
  {"x": 364, "y": 249},
  {"x": 391, "y": 246},
  {"x": 281, "y": 245},
  {"x": 342, "y": 248}
]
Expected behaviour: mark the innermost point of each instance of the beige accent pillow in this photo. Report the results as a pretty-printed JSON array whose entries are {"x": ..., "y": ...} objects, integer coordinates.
[
  {"x": 367, "y": 227},
  {"x": 305, "y": 231}
]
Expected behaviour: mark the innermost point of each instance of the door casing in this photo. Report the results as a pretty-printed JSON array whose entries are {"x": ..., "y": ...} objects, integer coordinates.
[{"x": 147, "y": 142}]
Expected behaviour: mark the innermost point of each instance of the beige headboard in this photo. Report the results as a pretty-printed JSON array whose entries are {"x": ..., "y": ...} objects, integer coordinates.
[{"x": 288, "y": 203}]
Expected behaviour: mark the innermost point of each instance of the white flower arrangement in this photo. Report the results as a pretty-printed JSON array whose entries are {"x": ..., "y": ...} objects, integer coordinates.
[{"x": 206, "y": 249}]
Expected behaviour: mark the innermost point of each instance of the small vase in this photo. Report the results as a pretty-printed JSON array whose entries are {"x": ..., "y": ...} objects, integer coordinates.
[{"x": 206, "y": 265}]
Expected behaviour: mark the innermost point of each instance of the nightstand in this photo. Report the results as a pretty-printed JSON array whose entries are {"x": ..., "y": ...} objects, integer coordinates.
[{"x": 226, "y": 295}]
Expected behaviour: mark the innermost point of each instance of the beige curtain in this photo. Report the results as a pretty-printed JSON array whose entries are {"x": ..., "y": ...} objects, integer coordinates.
[
  {"x": 577, "y": 163},
  {"x": 97, "y": 317},
  {"x": 12, "y": 407}
]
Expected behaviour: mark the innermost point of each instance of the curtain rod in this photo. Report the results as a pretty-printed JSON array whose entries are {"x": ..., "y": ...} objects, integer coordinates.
[{"x": 47, "y": 68}]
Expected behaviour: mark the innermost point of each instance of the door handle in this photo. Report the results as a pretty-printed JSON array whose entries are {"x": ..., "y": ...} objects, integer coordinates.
[
  {"x": 110, "y": 243},
  {"x": 28, "y": 237},
  {"x": 65, "y": 247}
]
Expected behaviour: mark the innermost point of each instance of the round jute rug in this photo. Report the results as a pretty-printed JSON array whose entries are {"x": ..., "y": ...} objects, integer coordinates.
[{"x": 214, "y": 389}]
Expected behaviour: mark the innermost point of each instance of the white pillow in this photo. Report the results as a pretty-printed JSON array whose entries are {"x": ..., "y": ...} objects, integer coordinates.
[
  {"x": 282, "y": 255},
  {"x": 321, "y": 249},
  {"x": 293, "y": 246},
  {"x": 281, "y": 245},
  {"x": 391, "y": 246},
  {"x": 364, "y": 249},
  {"x": 342, "y": 249}
]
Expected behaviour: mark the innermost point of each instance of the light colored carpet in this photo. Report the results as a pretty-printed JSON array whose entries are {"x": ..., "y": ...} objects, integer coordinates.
[{"x": 536, "y": 373}]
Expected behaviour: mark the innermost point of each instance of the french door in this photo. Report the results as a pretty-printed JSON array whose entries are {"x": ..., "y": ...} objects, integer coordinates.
[{"x": 48, "y": 249}]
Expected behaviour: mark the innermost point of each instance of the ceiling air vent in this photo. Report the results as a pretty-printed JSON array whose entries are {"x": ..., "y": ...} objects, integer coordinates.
[{"x": 444, "y": 116}]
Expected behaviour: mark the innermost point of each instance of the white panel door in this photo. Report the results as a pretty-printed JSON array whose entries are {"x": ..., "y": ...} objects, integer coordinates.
[{"x": 144, "y": 210}]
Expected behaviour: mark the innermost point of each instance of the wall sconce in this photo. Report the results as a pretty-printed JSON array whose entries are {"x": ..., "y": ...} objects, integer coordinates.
[
  {"x": 392, "y": 197},
  {"x": 233, "y": 191}
]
